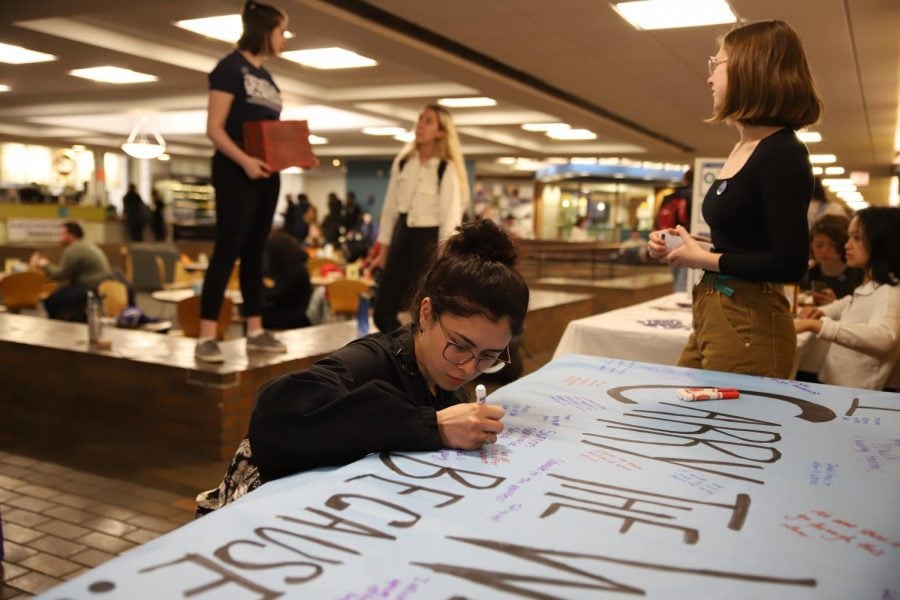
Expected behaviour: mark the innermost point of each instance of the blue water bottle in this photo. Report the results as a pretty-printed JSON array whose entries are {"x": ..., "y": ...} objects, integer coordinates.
[{"x": 362, "y": 315}]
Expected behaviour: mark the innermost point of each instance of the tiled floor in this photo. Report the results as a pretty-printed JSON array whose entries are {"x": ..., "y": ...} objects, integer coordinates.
[{"x": 68, "y": 507}]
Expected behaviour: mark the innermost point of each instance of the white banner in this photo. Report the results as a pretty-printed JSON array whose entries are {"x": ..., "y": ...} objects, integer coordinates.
[{"x": 603, "y": 485}]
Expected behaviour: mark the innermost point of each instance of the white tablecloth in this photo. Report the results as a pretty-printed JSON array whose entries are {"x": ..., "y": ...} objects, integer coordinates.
[{"x": 655, "y": 331}]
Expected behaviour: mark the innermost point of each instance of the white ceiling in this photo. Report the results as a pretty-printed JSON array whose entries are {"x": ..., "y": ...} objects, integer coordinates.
[{"x": 643, "y": 92}]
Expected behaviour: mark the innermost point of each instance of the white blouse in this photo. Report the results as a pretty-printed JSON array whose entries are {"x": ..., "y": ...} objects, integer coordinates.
[
  {"x": 416, "y": 192},
  {"x": 864, "y": 331}
]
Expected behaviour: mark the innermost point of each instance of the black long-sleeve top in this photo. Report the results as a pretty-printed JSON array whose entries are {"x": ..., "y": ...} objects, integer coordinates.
[
  {"x": 367, "y": 397},
  {"x": 757, "y": 218}
]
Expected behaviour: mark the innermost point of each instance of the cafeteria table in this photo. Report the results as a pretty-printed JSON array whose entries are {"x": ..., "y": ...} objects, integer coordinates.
[
  {"x": 656, "y": 331},
  {"x": 602, "y": 484}
]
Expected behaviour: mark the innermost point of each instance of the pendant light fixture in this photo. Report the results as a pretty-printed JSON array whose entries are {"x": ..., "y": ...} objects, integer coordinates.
[{"x": 144, "y": 142}]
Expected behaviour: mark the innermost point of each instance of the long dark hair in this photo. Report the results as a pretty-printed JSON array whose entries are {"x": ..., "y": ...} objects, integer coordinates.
[
  {"x": 473, "y": 273},
  {"x": 880, "y": 225},
  {"x": 259, "y": 20},
  {"x": 283, "y": 251}
]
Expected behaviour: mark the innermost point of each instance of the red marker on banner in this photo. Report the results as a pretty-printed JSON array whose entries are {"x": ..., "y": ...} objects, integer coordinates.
[{"x": 696, "y": 394}]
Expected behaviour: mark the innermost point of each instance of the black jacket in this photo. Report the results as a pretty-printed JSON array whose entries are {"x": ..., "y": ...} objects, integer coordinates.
[{"x": 367, "y": 397}]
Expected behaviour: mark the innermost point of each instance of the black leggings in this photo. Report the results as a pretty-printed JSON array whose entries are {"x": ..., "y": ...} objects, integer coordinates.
[
  {"x": 408, "y": 255},
  {"x": 244, "y": 211}
]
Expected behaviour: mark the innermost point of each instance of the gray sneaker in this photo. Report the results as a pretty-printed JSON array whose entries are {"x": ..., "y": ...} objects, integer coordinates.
[
  {"x": 209, "y": 351},
  {"x": 266, "y": 342}
]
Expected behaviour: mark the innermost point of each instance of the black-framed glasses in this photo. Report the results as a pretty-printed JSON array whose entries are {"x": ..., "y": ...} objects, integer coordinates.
[
  {"x": 460, "y": 355},
  {"x": 714, "y": 62}
]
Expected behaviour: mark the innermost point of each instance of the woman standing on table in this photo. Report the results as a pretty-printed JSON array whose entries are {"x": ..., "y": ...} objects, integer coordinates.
[
  {"x": 399, "y": 390},
  {"x": 424, "y": 204},
  {"x": 756, "y": 208},
  {"x": 240, "y": 90}
]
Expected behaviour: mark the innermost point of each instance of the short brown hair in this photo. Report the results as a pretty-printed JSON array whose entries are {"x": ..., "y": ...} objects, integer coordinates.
[
  {"x": 259, "y": 21},
  {"x": 769, "y": 81},
  {"x": 834, "y": 227}
]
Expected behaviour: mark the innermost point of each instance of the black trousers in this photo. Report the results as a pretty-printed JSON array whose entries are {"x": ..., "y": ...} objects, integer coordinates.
[
  {"x": 67, "y": 303},
  {"x": 408, "y": 255},
  {"x": 244, "y": 211}
]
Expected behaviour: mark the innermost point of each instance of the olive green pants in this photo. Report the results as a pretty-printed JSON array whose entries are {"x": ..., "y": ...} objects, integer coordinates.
[{"x": 751, "y": 332}]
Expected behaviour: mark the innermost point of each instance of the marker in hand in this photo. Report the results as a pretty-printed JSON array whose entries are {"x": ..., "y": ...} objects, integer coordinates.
[{"x": 480, "y": 393}]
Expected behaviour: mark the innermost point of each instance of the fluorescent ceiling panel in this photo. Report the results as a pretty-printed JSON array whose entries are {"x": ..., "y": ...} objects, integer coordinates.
[
  {"x": 809, "y": 137},
  {"x": 822, "y": 159},
  {"x": 329, "y": 58},
  {"x": 116, "y": 75},
  {"x": 571, "y": 134},
  {"x": 4, "y": 87},
  {"x": 472, "y": 102},
  {"x": 544, "y": 126},
  {"x": 227, "y": 28},
  {"x": 671, "y": 14},
  {"x": 391, "y": 131},
  {"x": 326, "y": 118},
  {"x": 17, "y": 55}
]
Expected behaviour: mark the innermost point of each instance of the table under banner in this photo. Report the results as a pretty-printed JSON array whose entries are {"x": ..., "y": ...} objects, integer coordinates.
[{"x": 603, "y": 484}]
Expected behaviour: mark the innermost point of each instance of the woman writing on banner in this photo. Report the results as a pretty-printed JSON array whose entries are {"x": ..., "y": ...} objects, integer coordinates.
[
  {"x": 240, "y": 91},
  {"x": 426, "y": 197},
  {"x": 399, "y": 390},
  {"x": 756, "y": 208}
]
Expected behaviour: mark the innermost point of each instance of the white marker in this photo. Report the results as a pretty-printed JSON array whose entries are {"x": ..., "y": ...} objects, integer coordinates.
[{"x": 480, "y": 393}]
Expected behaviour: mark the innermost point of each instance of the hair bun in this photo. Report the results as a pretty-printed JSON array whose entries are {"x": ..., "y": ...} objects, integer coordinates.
[{"x": 484, "y": 239}]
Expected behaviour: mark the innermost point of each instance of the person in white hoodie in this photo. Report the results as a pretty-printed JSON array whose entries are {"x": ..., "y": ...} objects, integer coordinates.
[{"x": 863, "y": 328}]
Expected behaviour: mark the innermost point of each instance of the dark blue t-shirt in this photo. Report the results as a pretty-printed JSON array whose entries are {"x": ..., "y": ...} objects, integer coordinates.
[{"x": 256, "y": 97}]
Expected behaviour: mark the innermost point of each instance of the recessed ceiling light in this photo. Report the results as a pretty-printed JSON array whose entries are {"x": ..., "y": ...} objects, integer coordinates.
[
  {"x": 17, "y": 55},
  {"x": 164, "y": 157},
  {"x": 507, "y": 160},
  {"x": 818, "y": 170},
  {"x": 4, "y": 87},
  {"x": 329, "y": 58},
  {"x": 227, "y": 28},
  {"x": 406, "y": 136},
  {"x": 116, "y": 75},
  {"x": 822, "y": 159},
  {"x": 471, "y": 102},
  {"x": 669, "y": 14},
  {"x": 383, "y": 130},
  {"x": 544, "y": 126},
  {"x": 578, "y": 160},
  {"x": 809, "y": 137},
  {"x": 834, "y": 170},
  {"x": 571, "y": 134},
  {"x": 317, "y": 140}
]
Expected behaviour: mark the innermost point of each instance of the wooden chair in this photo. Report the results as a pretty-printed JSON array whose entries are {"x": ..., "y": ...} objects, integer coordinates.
[
  {"x": 315, "y": 265},
  {"x": 189, "y": 317},
  {"x": 114, "y": 295},
  {"x": 22, "y": 290},
  {"x": 343, "y": 295},
  {"x": 234, "y": 280},
  {"x": 181, "y": 279}
]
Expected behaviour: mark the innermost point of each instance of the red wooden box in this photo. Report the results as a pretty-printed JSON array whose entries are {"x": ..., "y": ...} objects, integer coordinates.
[{"x": 280, "y": 144}]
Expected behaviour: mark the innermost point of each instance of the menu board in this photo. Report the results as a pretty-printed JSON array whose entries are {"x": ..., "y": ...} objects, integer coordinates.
[{"x": 603, "y": 484}]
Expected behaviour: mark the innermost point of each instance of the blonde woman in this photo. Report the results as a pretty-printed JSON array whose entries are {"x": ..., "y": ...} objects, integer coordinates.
[{"x": 426, "y": 197}]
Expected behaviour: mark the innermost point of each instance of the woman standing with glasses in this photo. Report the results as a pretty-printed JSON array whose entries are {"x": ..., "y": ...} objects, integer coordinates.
[
  {"x": 398, "y": 390},
  {"x": 756, "y": 208}
]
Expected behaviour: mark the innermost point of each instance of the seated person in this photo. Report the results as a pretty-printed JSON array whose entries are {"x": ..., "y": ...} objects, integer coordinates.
[
  {"x": 830, "y": 278},
  {"x": 284, "y": 304},
  {"x": 83, "y": 265},
  {"x": 399, "y": 390},
  {"x": 863, "y": 328}
]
